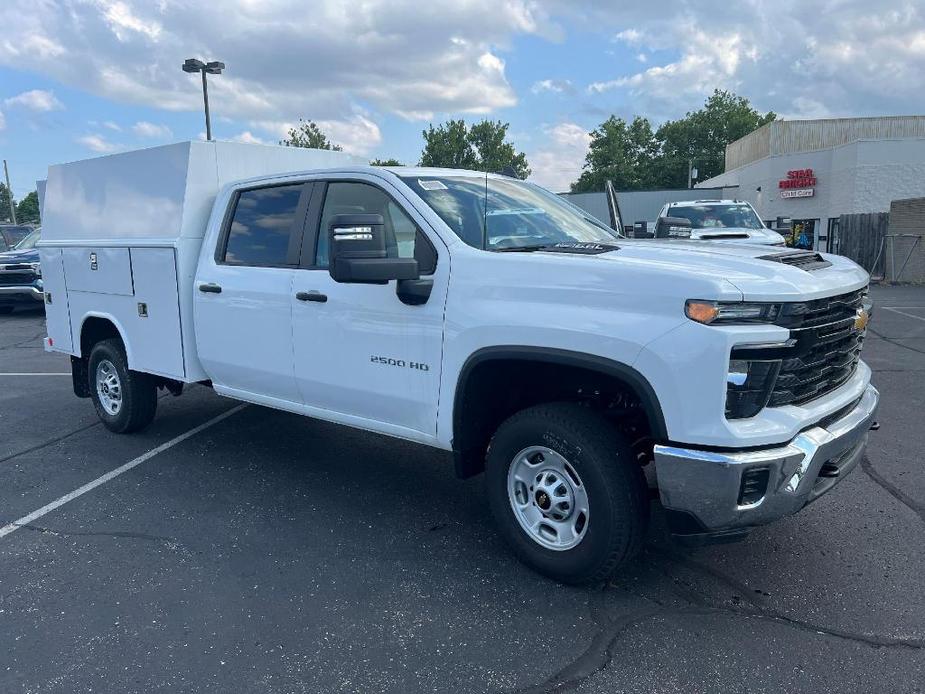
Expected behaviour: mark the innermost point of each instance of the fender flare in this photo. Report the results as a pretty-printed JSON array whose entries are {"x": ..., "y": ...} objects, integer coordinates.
[
  {"x": 635, "y": 380},
  {"x": 129, "y": 357}
]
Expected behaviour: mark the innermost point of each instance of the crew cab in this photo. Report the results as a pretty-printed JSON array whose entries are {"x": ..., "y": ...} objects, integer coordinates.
[
  {"x": 21, "y": 275},
  {"x": 474, "y": 313},
  {"x": 716, "y": 220}
]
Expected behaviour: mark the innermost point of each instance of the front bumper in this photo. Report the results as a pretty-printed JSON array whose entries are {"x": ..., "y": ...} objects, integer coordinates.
[
  {"x": 700, "y": 489},
  {"x": 25, "y": 295}
]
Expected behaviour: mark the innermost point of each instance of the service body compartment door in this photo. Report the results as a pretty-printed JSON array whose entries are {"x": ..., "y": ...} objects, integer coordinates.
[
  {"x": 99, "y": 270},
  {"x": 154, "y": 329},
  {"x": 57, "y": 313}
]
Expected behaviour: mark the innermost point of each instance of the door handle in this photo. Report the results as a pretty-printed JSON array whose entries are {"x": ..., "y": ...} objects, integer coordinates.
[
  {"x": 210, "y": 288},
  {"x": 312, "y": 296}
]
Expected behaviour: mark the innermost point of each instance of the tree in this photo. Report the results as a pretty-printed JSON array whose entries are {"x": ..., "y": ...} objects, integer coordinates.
[
  {"x": 27, "y": 210},
  {"x": 5, "y": 204},
  {"x": 701, "y": 137},
  {"x": 385, "y": 162},
  {"x": 622, "y": 153},
  {"x": 481, "y": 147},
  {"x": 308, "y": 134}
]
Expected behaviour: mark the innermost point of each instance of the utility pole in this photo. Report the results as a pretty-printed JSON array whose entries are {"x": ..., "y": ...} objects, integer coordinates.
[
  {"x": 6, "y": 172},
  {"x": 690, "y": 173}
]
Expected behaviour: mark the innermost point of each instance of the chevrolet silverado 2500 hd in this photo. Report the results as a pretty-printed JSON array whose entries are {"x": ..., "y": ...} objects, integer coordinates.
[{"x": 474, "y": 313}]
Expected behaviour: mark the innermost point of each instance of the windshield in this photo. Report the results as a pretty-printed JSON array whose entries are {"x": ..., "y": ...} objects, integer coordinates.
[
  {"x": 518, "y": 214},
  {"x": 29, "y": 242},
  {"x": 731, "y": 216}
]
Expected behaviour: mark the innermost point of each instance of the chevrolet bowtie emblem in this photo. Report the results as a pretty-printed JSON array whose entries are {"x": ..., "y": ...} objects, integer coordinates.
[{"x": 861, "y": 318}]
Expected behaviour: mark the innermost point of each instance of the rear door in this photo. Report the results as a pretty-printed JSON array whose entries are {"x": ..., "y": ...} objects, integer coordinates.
[
  {"x": 242, "y": 294},
  {"x": 362, "y": 355}
]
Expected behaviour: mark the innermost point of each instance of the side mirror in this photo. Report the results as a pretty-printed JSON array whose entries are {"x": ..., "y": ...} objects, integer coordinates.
[
  {"x": 358, "y": 252},
  {"x": 673, "y": 228}
]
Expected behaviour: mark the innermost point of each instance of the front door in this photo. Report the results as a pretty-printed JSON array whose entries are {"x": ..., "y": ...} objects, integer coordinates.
[
  {"x": 362, "y": 355},
  {"x": 242, "y": 295}
]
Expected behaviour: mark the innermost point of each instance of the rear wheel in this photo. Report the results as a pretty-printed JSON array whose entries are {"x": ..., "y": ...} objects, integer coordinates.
[
  {"x": 566, "y": 492},
  {"x": 125, "y": 400}
]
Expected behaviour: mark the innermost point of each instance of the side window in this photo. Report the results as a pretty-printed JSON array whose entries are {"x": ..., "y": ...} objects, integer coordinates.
[
  {"x": 262, "y": 226},
  {"x": 403, "y": 238}
]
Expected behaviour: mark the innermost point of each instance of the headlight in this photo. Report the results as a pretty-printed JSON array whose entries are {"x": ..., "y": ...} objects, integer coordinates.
[
  {"x": 749, "y": 385},
  {"x": 710, "y": 312}
]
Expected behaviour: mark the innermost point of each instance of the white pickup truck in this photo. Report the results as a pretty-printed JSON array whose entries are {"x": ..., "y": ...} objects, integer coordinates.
[{"x": 474, "y": 313}]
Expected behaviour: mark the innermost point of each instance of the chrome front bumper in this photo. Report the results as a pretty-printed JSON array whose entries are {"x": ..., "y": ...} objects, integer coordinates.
[
  {"x": 700, "y": 489},
  {"x": 24, "y": 292}
]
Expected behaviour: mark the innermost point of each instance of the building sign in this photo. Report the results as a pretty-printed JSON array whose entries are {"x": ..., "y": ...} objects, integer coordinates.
[{"x": 800, "y": 183}]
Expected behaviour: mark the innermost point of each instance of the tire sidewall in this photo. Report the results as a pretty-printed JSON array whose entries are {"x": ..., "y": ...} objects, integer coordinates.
[
  {"x": 607, "y": 521},
  {"x": 109, "y": 351}
]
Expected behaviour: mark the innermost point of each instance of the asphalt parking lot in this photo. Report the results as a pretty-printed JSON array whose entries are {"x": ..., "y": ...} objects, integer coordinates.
[{"x": 271, "y": 553}]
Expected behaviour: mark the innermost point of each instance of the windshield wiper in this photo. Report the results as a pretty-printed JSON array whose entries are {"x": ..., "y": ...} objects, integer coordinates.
[{"x": 583, "y": 247}]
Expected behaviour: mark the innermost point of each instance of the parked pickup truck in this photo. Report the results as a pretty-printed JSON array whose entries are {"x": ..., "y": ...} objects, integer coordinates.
[
  {"x": 715, "y": 220},
  {"x": 478, "y": 314},
  {"x": 21, "y": 275}
]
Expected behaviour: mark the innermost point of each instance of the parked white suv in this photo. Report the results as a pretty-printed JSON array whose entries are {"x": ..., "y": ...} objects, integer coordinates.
[
  {"x": 477, "y": 314},
  {"x": 717, "y": 220}
]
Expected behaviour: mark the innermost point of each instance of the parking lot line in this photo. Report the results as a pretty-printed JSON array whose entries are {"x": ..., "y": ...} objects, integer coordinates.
[
  {"x": 112, "y": 474},
  {"x": 903, "y": 313},
  {"x": 37, "y": 373}
]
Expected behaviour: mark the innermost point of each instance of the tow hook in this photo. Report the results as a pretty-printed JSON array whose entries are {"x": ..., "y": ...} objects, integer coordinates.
[{"x": 875, "y": 426}]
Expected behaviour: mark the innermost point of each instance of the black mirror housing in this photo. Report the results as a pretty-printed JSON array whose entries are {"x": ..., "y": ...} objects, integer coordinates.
[
  {"x": 673, "y": 228},
  {"x": 358, "y": 252}
]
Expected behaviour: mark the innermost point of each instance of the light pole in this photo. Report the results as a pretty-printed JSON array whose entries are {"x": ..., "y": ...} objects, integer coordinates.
[{"x": 215, "y": 68}]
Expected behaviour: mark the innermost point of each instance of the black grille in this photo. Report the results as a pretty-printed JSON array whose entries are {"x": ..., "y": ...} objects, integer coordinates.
[
  {"x": 827, "y": 350},
  {"x": 16, "y": 278},
  {"x": 805, "y": 260}
]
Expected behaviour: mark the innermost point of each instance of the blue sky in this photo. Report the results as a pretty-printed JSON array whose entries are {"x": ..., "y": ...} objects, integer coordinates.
[{"x": 81, "y": 78}]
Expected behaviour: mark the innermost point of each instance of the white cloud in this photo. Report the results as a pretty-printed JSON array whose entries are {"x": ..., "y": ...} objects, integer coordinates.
[
  {"x": 559, "y": 162},
  {"x": 38, "y": 100},
  {"x": 552, "y": 85},
  {"x": 357, "y": 134},
  {"x": 112, "y": 126},
  {"x": 152, "y": 130},
  {"x": 2, "y": 121},
  {"x": 394, "y": 56},
  {"x": 248, "y": 138},
  {"x": 97, "y": 143}
]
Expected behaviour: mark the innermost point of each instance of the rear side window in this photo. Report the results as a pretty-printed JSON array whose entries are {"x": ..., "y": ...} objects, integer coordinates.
[{"x": 262, "y": 226}]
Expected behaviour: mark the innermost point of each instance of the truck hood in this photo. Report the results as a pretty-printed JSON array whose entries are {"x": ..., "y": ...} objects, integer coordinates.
[
  {"x": 30, "y": 255},
  {"x": 744, "y": 265},
  {"x": 740, "y": 235}
]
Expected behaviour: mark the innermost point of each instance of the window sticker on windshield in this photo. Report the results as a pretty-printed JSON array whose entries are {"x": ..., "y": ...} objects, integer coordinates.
[{"x": 432, "y": 185}]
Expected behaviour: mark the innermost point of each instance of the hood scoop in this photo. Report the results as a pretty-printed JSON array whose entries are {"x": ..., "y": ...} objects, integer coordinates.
[{"x": 805, "y": 260}]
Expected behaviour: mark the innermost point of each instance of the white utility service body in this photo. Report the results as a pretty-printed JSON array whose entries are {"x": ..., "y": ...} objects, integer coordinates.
[{"x": 450, "y": 351}]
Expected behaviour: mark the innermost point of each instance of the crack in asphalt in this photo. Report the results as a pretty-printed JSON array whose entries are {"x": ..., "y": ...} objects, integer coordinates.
[
  {"x": 35, "y": 338},
  {"x": 97, "y": 533},
  {"x": 599, "y": 654},
  {"x": 896, "y": 342},
  {"x": 915, "y": 506},
  {"x": 49, "y": 442}
]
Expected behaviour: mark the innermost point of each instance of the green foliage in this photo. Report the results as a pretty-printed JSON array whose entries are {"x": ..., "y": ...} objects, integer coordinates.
[
  {"x": 622, "y": 153},
  {"x": 5, "y": 217},
  {"x": 634, "y": 157},
  {"x": 309, "y": 135},
  {"x": 27, "y": 210},
  {"x": 386, "y": 162},
  {"x": 702, "y": 136},
  {"x": 481, "y": 147}
]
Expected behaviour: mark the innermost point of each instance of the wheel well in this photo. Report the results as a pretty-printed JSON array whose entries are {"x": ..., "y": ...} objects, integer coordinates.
[
  {"x": 494, "y": 387},
  {"x": 96, "y": 329}
]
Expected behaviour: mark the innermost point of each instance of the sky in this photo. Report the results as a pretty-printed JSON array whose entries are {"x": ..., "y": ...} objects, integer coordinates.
[{"x": 84, "y": 78}]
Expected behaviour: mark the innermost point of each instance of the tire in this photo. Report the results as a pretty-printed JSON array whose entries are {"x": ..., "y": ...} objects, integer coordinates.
[
  {"x": 598, "y": 463},
  {"x": 6, "y": 310},
  {"x": 125, "y": 400}
]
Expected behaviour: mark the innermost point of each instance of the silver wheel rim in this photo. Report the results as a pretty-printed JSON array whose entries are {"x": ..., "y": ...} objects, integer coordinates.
[
  {"x": 548, "y": 498},
  {"x": 108, "y": 387}
]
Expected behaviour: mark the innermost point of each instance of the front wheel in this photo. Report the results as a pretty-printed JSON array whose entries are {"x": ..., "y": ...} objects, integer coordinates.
[
  {"x": 566, "y": 492},
  {"x": 125, "y": 400}
]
